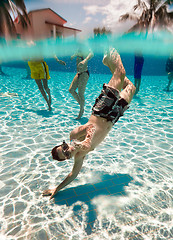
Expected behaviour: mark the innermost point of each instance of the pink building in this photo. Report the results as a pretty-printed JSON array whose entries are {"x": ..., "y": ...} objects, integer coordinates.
[{"x": 45, "y": 23}]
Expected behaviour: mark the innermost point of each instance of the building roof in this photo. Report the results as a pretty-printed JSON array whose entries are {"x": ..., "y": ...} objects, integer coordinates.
[
  {"x": 43, "y": 9},
  {"x": 58, "y": 25}
]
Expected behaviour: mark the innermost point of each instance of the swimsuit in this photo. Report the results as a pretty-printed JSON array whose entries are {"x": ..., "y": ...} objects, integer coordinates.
[
  {"x": 80, "y": 57},
  {"x": 139, "y": 61},
  {"x": 79, "y": 73},
  {"x": 109, "y": 105},
  {"x": 39, "y": 70}
]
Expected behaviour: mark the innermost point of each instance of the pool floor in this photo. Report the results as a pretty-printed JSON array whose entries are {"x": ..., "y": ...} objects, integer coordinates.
[{"x": 125, "y": 187}]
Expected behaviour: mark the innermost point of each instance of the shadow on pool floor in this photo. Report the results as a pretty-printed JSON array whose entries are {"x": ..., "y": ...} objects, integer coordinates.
[{"x": 109, "y": 185}]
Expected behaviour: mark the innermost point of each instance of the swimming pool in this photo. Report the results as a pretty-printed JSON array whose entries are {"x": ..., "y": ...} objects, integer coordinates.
[{"x": 125, "y": 188}]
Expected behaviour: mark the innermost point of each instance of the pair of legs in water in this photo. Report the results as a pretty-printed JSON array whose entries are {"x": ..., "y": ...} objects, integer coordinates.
[
  {"x": 139, "y": 61},
  {"x": 170, "y": 78},
  {"x": 45, "y": 91},
  {"x": 40, "y": 72},
  {"x": 79, "y": 82},
  {"x": 81, "y": 78}
]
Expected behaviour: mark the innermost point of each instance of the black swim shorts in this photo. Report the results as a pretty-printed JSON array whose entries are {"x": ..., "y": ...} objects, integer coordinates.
[{"x": 109, "y": 105}]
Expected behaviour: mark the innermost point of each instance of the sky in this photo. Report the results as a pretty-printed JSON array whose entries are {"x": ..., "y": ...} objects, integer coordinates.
[{"x": 88, "y": 14}]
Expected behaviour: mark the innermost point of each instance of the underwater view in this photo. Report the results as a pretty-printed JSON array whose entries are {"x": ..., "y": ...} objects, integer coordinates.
[{"x": 125, "y": 187}]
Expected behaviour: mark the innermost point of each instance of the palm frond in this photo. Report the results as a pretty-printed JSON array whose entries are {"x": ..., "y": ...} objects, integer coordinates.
[
  {"x": 161, "y": 11},
  {"x": 138, "y": 27},
  {"x": 18, "y": 8},
  {"x": 140, "y": 5},
  {"x": 19, "y": 4},
  {"x": 170, "y": 14},
  {"x": 168, "y": 2},
  {"x": 6, "y": 22},
  {"x": 15, "y": 7},
  {"x": 1, "y": 21},
  {"x": 163, "y": 16},
  {"x": 128, "y": 16},
  {"x": 22, "y": 20},
  {"x": 154, "y": 13}
]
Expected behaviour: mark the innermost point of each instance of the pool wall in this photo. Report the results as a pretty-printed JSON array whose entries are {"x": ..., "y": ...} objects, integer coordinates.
[{"x": 153, "y": 66}]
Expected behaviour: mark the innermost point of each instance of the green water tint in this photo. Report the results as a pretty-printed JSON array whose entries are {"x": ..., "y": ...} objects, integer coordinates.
[{"x": 157, "y": 44}]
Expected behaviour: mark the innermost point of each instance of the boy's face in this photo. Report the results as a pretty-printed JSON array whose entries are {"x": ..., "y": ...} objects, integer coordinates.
[{"x": 65, "y": 151}]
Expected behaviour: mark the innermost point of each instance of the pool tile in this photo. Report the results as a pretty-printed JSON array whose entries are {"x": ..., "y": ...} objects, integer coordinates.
[
  {"x": 81, "y": 198},
  {"x": 106, "y": 177},
  {"x": 122, "y": 179},
  {"x": 84, "y": 189},
  {"x": 65, "y": 195},
  {"x": 103, "y": 184},
  {"x": 77, "y": 209},
  {"x": 61, "y": 202},
  {"x": 116, "y": 189},
  {"x": 88, "y": 230},
  {"x": 91, "y": 216},
  {"x": 98, "y": 193},
  {"x": 90, "y": 205}
]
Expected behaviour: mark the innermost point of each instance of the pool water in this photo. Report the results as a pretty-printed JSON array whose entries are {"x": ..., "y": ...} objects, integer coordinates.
[{"x": 125, "y": 188}]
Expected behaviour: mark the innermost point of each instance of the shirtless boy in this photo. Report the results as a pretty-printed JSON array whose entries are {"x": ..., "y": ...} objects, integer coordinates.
[{"x": 108, "y": 107}]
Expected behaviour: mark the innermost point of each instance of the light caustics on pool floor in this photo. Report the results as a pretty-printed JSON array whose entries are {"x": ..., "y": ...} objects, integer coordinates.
[{"x": 125, "y": 188}]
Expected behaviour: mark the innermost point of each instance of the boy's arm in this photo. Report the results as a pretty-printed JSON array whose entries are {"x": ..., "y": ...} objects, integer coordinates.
[
  {"x": 83, "y": 147},
  {"x": 78, "y": 161}
]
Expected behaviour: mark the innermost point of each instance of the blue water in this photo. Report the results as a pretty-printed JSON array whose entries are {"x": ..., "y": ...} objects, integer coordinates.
[
  {"x": 154, "y": 65},
  {"x": 125, "y": 188}
]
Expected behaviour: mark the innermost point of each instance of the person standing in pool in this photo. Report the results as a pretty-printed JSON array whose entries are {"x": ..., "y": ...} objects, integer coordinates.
[
  {"x": 1, "y": 72},
  {"x": 81, "y": 78},
  {"x": 40, "y": 72},
  {"x": 139, "y": 61},
  {"x": 108, "y": 108},
  {"x": 169, "y": 70}
]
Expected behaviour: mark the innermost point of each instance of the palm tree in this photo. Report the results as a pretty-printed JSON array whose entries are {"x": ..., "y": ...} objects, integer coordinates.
[
  {"x": 154, "y": 13},
  {"x": 101, "y": 31},
  {"x": 9, "y": 8}
]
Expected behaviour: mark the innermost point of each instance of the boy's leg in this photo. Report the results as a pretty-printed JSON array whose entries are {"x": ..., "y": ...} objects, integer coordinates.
[
  {"x": 117, "y": 79},
  {"x": 128, "y": 90},
  {"x": 109, "y": 59}
]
